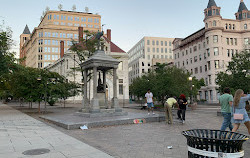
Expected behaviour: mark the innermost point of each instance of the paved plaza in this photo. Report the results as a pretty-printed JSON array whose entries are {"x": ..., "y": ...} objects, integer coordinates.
[
  {"x": 20, "y": 132},
  {"x": 149, "y": 140}
]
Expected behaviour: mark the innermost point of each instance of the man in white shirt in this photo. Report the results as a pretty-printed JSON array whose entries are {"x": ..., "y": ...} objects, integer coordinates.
[{"x": 149, "y": 101}]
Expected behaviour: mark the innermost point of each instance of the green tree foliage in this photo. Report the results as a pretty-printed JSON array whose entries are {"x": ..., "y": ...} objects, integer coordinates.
[
  {"x": 237, "y": 74},
  {"x": 165, "y": 81}
]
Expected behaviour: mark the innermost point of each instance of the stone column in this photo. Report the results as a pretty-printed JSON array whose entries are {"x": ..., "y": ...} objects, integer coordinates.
[
  {"x": 115, "y": 99},
  {"x": 85, "y": 99},
  {"x": 95, "y": 100},
  {"x": 104, "y": 88}
]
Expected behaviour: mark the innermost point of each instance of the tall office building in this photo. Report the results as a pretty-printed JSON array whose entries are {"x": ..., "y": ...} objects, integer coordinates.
[
  {"x": 208, "y": 51},
  {"x": 146, "y": 53},
  {"x": 41, "y": 47}
]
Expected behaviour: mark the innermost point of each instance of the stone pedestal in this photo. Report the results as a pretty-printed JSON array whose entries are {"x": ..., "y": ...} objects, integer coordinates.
[
  {"x": 95, "y": 105},
  {"x": 115, "y": 105},
  {"x": 101, "y": 98}
]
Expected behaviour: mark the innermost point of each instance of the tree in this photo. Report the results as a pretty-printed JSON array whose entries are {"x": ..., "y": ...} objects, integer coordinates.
[
  {"x": 165, "y": 81},
  {"x": 237, "y": 74}
]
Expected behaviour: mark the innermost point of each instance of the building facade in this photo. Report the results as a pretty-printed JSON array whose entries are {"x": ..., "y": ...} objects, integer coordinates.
[
  {"x": 66, "y": 65},
  {"x": 208, "y": 51},
  {"x": 146, "y": 53},
  {"x": 41, "y": 47}
]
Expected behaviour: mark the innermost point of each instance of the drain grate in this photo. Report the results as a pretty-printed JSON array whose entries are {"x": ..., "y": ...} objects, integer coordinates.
[{"x": 36, "y": 151}]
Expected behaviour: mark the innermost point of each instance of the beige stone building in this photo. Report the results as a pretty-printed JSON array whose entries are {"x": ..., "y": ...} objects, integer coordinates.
[
  {"x": 66, "y": 65},
  {"x": 208, "y": 51},
  {"x": 146, "y": 53},
  {"x": 41, "y": 47}
]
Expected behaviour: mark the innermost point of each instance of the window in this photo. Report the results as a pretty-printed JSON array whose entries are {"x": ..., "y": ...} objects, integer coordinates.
[
  {"x": 216, "y": 51},
  {"x": 153, "y": 50},
  {"x": 157, "y": 49},
  {"x": 205, "y": 55},
  {"x": 214, "y": 11},
  {"x": 227, "y": 41},
  {"x": 90, "y": 20},
  {"x": 191, "y": 60},
  {"x": 214, "y": 23},
  {"x": 186, "y": 52},
  {"x": 148, "y": 49},
  {"x": 200, "y": 57},
  {"x": 40, "y": 49},
  {"x": 200, "y": 69},
  {"x": 195, "y": 59},
  {"x": 183, "y": 64},
  {"x": 161, "y": 50},
  {"x": 195, "y": 48},
  {"x": 216, "y": 64},
  {"x": 142, "y": 70},
  {"x": 226, "y": 26},
  {"x": 182, "y": 53},
  {"x": 209, "y": 79},
  {"x": 157, "y": 43},
  {"x": 207, "y": 39},
  {"x": 209, "y": 65},
  {"x": 228, "y": 52},
  {"x": 205, "y": 68},
  {"x": 235, "y": 41},
  {"x": 142, "y": 64},
  {"x": 148, "y": 57},
  {"x": 231, "y": 41},
  {"x": 232, "y": 52},
  {"x": 187, "y": 61},
  {"x": 166, "y": 50},
  {"x": 229, "y": 26},
  {"x": 170, "y": 50},
  {"x": 121, "y": 89},
  {"x": 246, "y": 41},
  {"x": 245, "y": 26},
  {"x": 148, "y": 42},
  {"x": 166, "y": 43},
  {"x": 49, "y": 17},
  {"x": 215, "y": 39},
  {"x": 178, "y": 55},
  {"x": 153, "y": 42},
  {"x": 196, "y": 70},
  {"x": 208, "y": 52},
  {"x": 170, "y": 44},
  {"x": 233, "y": 26},
  {"x": 161, "y": 43}
]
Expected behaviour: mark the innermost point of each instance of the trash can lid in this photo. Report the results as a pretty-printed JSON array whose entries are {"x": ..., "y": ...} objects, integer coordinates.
[{"x": 215, "y": 135}]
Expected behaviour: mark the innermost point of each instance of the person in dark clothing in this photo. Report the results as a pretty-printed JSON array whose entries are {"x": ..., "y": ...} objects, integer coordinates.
[{"x": 182, "y": 101}]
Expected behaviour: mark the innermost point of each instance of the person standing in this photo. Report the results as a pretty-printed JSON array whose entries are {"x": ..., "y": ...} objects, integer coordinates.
[
  {"x": 168, "y": 109},
  {"x": 226, "y": 101},
  {"x": 149, "y": 101},
  {"x": 182, "y": 101},
  {"x": 239, "y": 107}
]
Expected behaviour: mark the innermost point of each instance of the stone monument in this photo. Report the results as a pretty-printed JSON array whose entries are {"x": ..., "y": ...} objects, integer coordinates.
[{"x": 102, "y": 63}]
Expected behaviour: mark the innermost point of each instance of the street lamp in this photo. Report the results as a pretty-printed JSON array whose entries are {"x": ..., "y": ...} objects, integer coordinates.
[{"x": 191, "y": 87}]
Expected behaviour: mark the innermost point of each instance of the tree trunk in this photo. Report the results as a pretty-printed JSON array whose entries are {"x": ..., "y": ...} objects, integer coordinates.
[{"x": 39, "y": 107}]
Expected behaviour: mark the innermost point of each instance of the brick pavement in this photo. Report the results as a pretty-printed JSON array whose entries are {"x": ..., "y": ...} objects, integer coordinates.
[
  {"x": 148, "y": 140},
  {"x": 151, "y": 140},
  {"x": 20, "y": 132}
]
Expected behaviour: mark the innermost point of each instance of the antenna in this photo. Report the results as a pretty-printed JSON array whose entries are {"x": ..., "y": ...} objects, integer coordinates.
[
  {"x": 47, "y": 9},
  {"x": 86, "y": 9},
  {"x": 102, "y": 26},
  {"x": 74, "y": 8},
  {"x": 60, "y": 7}
]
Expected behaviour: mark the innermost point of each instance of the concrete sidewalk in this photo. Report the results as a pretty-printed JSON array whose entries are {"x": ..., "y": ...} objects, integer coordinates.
[{"x": 20, "y": 132}]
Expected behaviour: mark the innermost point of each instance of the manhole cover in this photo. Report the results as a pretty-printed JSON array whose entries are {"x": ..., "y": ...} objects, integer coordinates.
[{"x": 36, "y": 152}]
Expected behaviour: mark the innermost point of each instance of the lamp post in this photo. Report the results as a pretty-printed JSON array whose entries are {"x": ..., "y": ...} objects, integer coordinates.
[
  {"x": 39, "y": 78},
  {"x": 191, "y": 87}
]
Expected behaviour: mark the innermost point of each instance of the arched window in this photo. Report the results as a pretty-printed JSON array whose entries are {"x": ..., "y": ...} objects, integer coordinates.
[
  {"x": 226, "y": 26},
  {"x": 214, "y": 23},
  {"x": 229, "y": 26},
  {"x": 245, "y": 26},
  {"x": 233, "y": 26},
  {"x": 142, "y": 63}
]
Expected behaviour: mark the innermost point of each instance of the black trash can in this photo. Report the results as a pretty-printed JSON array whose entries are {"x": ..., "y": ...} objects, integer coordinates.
[{"x": 205, "y": 143}]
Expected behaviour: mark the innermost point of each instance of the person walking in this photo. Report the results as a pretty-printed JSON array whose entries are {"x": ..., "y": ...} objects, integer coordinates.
[
  {"x": 182, "y": 101},
  {"x": 149, "y": 101},
  {"x": 226, "y": 101},
  {"x": 239, "y": 109},
  {"x": 168, "y": 109}
]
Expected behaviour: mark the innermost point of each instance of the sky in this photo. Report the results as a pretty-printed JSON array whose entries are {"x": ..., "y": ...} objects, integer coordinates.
[{"x": 129, "y": 20}]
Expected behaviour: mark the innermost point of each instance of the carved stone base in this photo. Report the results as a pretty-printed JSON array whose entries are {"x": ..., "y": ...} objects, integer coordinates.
[
  {"x": 115, "y": 105},
  {"x": 95, "y": 105}
]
